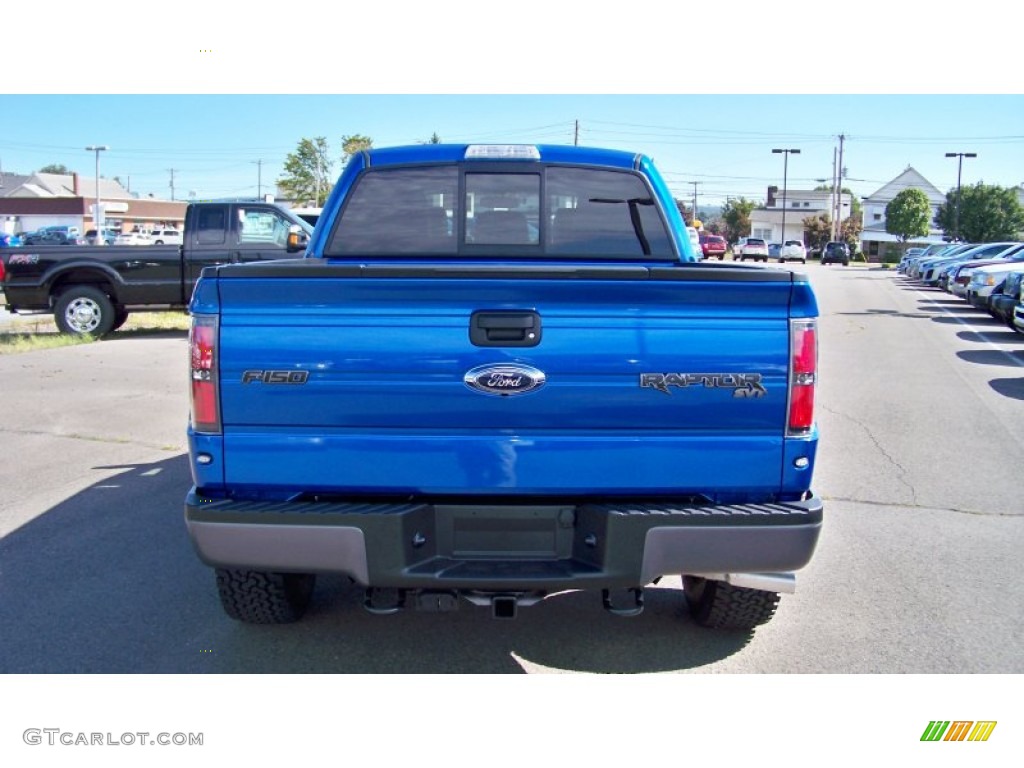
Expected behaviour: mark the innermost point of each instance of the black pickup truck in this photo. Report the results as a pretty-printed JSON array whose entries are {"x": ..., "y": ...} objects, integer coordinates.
[{"x": 90, "y": 290}]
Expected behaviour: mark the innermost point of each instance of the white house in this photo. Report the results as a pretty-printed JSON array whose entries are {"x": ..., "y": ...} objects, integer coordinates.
[
  {"x": 873, "y": 237},
  {"x": 766, "y": 222}
]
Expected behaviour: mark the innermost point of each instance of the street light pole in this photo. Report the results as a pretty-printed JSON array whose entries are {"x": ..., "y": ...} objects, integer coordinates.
[
  {"x": 785, "y": 170},
  {"x": 100, "y": 240},
  {"x": 959, "y": 166}
]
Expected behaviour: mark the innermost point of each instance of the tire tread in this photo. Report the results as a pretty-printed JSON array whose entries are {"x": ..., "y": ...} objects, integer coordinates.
[
  {"x": 262, "y": 597},
  {"x": 723, "y": 606}
]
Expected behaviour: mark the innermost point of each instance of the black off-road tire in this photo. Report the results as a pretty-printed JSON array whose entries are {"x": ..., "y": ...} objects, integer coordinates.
[
  {"x": 719, "y": 605},
  {"x": 262, "y": 597},
  {"x": 82, "y": 310}
]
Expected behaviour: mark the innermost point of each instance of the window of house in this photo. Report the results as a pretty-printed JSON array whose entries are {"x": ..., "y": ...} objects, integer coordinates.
[{"x": 877, "y": 217}]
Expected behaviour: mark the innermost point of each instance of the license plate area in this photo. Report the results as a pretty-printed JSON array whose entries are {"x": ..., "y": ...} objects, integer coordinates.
[{"x": 505, "y": 533}]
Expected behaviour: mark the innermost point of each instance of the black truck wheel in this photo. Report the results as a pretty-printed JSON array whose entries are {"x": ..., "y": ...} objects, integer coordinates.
[
  {"x": 719, "y": 605},
  {"x": 120, "y": 318},
  {"x": 262, "y": 597},
  {"x": 83, "y": 310}
]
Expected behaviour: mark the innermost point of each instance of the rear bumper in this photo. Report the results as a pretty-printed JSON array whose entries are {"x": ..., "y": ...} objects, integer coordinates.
[{"x": 504, "y": 546}]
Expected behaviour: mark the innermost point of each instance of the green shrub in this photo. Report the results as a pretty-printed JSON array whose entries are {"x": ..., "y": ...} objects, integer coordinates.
[{"x": 892, "y": 255}]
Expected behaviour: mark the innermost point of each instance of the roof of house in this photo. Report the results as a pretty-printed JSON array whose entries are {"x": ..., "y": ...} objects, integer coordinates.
[
  {"x": 11, "y": 181},
  {"x": 60, "y": 185},
  {"x": 909, "y": 179}
]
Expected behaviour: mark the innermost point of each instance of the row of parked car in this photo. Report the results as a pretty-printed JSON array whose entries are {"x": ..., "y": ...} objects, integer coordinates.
[
  {"x": 71, "y": 235},
  {"x": 757, "y": 249},
  {"x": 987, "y": 275}
]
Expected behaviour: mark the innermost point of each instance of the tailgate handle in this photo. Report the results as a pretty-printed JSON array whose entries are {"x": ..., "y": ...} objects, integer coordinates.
[{"x": 504, "y": 329}]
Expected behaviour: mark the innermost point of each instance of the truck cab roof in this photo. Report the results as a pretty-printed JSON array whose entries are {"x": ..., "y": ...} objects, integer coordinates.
[{"x": 549, "y": 153}]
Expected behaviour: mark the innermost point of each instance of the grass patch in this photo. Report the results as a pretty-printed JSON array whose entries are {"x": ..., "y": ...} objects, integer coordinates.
[
  {"x": 142, "y": 323},
  {"x": 27, "y": 334},
  {"x": 15, "y": 342}
]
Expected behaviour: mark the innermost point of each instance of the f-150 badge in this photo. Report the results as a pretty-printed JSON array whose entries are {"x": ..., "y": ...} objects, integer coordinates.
[
  {"x": 275, "y": 377},
  {"x": 504, "y": 380},
  {"x": 741, "y": 384}
]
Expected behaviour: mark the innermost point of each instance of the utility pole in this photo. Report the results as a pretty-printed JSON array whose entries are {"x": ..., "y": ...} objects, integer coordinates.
[
  {"x": 576, "y": 135},
  {"x": 839, "y": 190},
  {"x": 695, "y": 183},
  {"x": 832, "y": 195},
  {"x": 172, "y": 182},
  {"x": 259, "y": 178}
]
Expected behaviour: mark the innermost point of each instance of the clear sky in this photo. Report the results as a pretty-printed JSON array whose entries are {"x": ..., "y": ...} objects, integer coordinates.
[
  {"x": 716, "y": 89},
  {"x": 221, "y": 145}
]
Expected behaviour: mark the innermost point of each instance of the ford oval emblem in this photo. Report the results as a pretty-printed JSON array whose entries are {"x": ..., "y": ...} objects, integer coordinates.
[{"x": 504, "y": 380}]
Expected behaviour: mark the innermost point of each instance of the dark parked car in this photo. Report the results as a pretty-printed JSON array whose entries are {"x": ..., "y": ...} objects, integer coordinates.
[
  {"x": 1005, "y": 298},
  {"x": 836, "y": 252},
  {"x": 36, "y": 237},
  {"x": 58, "y": 234}
]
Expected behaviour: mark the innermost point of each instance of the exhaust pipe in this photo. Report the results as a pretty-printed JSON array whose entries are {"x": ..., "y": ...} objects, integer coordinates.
[{"x": 768, "y": 582}]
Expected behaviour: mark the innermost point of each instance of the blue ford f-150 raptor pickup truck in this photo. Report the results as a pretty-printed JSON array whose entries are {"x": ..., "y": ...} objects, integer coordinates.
[{"x": 499, "y": 373}]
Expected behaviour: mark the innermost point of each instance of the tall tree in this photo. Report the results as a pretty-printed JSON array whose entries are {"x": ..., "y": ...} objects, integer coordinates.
[
  {"x": 988, "y": 214},
  {"x": 434, "y": 139},
  {"x": 817, "y": 231},
  {"x": 307, "y": 172},
  {"x": 58, "y": 168},
  {"x": 908, "y": 214},
  {"x": 736, "y": 215},
  {"x": 850, "y": 231},
  {"x": 350, "y": 145}
]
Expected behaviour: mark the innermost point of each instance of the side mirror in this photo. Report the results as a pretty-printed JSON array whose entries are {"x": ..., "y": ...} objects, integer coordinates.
[{"x": 297, "y": 241}]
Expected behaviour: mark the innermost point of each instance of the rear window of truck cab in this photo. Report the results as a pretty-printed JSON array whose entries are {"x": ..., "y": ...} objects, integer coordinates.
[{"x": 501, "y": 210}]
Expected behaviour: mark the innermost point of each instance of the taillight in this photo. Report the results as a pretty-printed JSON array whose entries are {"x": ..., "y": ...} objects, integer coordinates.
[
  {"x": 203, "y": 370},
  {"x": 2, "y": 270},
  {"x": 802, "y": 376}
]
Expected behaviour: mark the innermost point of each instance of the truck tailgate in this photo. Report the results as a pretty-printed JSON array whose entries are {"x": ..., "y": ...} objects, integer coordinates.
[{"x": 354, "y": 380}]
